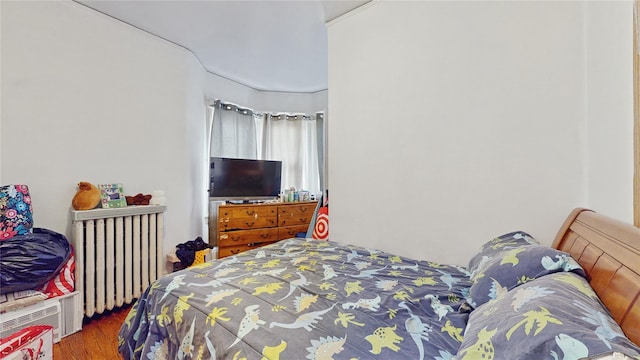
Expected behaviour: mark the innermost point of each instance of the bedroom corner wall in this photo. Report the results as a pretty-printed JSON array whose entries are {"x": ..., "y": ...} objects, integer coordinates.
[
  {"x": 87, "y": 98},
  {"x": 609, "y": 154},
  {"x": 454, "y": 122},
  {"x": 217, "y": 87}
]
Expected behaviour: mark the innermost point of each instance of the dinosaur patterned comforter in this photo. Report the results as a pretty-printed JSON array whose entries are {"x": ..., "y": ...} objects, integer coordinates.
[{"x": 301, "y": 299}]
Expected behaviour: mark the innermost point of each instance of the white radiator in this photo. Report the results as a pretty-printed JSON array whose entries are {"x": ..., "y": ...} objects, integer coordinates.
[{"x": 118, "y": 254}]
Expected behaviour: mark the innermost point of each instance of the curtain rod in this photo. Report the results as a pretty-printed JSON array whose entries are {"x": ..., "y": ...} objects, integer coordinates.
[{"x": 248, "y": 111}]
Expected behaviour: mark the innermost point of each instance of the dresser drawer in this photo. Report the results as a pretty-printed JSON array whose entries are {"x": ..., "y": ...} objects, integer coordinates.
[
  {"x": 232, "y": 250},
  {"x": 306, "y": 208},
  {"x": 244, "y": 237},
  {"x": 298, "y": 219},
  {"x": 291, "y": 231},
  {"x": 247, "y": 223},
  {"x": 249, "y": 211}
]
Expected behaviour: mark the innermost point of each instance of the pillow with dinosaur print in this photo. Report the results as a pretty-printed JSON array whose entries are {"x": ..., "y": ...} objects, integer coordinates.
[
  {"x": 515, "y": 267},
  {"x": 557, "y": 316},
  {"x": 496, "y": 246}
]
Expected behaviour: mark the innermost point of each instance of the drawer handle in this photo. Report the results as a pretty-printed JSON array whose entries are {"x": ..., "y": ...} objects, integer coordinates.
[
  {"x": 235, "y": 251},
  {"x": 249, "y": 224},
  {"x": 224, "y": 236},
  {"x": 303, "y": 209},
  {"x": 303, "y": 220},
  {"x": 250, "y": 212},
  {"x": 264, "y": 236},
  {"x": 236, "y": 238}
]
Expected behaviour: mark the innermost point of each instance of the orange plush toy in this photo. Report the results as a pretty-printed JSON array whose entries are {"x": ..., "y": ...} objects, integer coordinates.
[{"x": 87, "y": 197}]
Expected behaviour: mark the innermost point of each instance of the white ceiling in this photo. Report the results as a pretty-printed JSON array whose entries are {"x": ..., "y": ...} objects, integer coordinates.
[{"x": 264, "y": 44}]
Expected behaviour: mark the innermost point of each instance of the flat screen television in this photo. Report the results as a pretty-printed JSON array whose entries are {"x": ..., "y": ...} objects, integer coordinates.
[{"x": 244, "y": 179}]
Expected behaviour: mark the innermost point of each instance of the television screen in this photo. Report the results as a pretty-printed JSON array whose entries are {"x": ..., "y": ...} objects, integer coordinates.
[{"x": 244, "y": 179}]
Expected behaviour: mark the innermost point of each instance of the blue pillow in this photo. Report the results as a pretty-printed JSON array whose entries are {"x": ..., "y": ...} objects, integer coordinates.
[
  {"x": 515, "y": 267},
  {"x": 557, "y": 316},
  {"x": 495, "y": 247}
]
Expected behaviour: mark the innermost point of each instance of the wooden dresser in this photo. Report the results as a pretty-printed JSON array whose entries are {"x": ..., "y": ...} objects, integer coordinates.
[{"x": 243, "y": 227}]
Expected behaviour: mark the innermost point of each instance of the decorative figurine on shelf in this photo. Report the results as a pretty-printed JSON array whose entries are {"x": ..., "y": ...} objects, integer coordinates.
[
  {"x": 138, "y": 199},
  {"x": 86, "y": 198}
]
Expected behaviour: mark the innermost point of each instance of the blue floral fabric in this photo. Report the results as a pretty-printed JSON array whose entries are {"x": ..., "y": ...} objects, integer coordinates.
[
  {"x": 557, "y": 316},
  {"x": 16, "y": 217},
  {"x": 515, "y": 267}
]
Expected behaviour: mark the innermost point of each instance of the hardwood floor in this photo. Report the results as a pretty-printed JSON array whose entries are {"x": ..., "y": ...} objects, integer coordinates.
[{"x": 98, "y": 339}]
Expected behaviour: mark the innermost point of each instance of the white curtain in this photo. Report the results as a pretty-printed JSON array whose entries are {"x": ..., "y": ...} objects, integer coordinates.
[
  {"x": 294, "y": 139},
  {"x": 233, "y": 132}
]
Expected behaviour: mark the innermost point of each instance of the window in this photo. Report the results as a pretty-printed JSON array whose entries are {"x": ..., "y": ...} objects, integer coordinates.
[{"x": 296, "y": 140}]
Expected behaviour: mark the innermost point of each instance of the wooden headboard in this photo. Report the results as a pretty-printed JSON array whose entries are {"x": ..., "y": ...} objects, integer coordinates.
[{"x": 609, "y": 252}]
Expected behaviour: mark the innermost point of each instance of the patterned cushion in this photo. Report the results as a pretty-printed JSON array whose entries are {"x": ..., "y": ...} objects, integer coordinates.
[
  {"x": 557, "y": 316},
  {"x": 495, "y": 247},
  {"x": 515, "y": 267},
  {"x": 15, "y": 211}
]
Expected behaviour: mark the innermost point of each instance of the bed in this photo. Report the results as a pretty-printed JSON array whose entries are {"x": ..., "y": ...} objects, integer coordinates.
[{"x": 309, "y": 299}]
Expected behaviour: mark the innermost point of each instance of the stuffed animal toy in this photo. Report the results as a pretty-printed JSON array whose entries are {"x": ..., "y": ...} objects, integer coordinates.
[{"x": 87, "y": 197}]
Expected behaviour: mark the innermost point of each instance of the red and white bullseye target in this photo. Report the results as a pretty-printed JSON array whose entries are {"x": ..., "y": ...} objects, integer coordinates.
[{"x": 321, "y": 228}]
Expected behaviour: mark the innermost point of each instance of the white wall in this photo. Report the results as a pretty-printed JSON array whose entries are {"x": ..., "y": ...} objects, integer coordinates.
[
  {"x": 610, "y": 107},
  {"x": 454, "y": 122},
  {"x": 88, "y": 98}
]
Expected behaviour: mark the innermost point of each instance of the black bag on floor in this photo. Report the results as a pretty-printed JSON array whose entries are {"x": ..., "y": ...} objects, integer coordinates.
[
  {"x": 28, "y": 261},
  {"x": 186, "y": 252}
]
